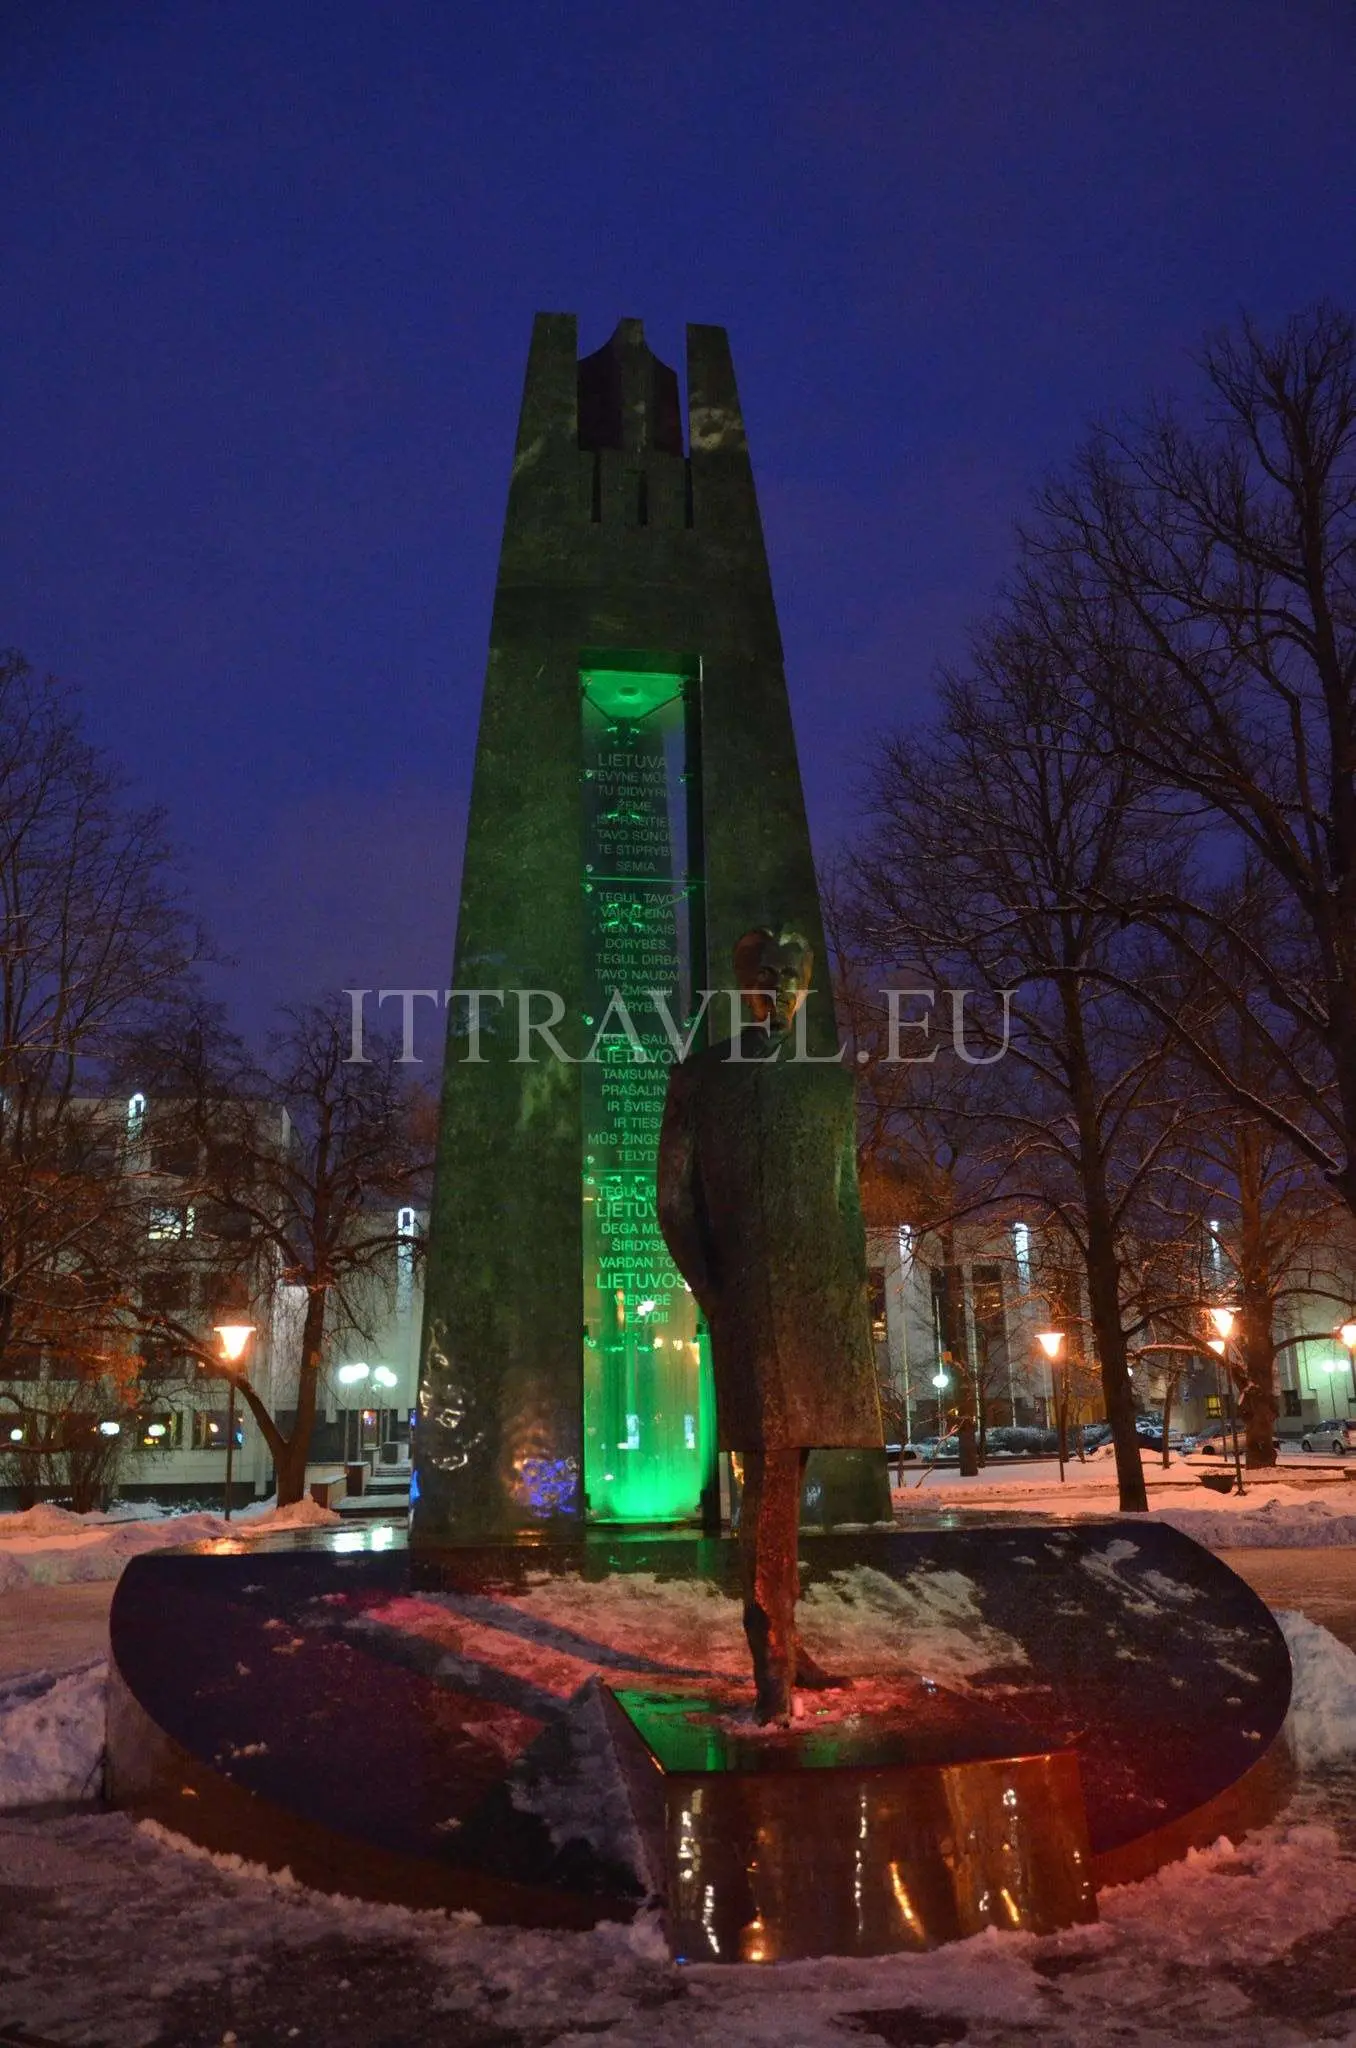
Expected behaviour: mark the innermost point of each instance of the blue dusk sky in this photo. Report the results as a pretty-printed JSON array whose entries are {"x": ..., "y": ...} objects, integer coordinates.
[{"x": 270, "y": 272}]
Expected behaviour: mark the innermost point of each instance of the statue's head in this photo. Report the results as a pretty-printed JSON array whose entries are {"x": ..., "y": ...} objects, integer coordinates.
[{"x": 773, "y": 968}]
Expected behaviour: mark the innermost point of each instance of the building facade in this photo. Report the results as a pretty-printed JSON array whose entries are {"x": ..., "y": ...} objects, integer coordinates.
[{"x": 126, "y": 1399}]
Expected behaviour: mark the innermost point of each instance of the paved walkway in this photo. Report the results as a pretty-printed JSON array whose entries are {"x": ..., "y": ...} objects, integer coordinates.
[
  {"x": 1320, "y": 1583},
  {"x": 50, "y": 1628}
]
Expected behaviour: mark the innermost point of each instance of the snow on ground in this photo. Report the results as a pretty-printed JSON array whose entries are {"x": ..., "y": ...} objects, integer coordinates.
[
  {"x": 133, "y": 1938},
  {"x": 560, "y": 1630},
  {"x": 49, "y": 1546},
  {"x": 1322, "y": 1719},
  {"x": 128, "y": 1937},
  {"x": 52, "y": 1736},
  {"x": 1312, "y": 1509}
]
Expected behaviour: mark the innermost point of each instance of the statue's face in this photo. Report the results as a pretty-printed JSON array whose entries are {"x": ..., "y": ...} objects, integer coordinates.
[{"x": 777, "y": 982}]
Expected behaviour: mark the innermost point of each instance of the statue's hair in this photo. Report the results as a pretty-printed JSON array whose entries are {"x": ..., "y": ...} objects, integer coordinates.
[{"x": 749, "y": 949}]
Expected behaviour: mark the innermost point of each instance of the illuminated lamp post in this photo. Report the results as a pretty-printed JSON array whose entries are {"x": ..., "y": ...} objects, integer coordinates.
[
  {"x": 1052, "y": 1344},
  {"x": 353, "y": 1376},
  {"x": 233, "y": 1338},
  {"x": 1224, "y": 1320},
  {"x": 1347, "y": 1334},
  {"x": 941, "y": 1381}
]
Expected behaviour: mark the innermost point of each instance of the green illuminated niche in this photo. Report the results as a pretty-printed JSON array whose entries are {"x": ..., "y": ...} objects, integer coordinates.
[{"x": 648, "y": 1407}]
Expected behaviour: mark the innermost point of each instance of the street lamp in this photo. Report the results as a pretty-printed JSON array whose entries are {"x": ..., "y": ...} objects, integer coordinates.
[
  {"x": 1224, "y": 1319},
  {"x": 1347, "y": 1333},
  {"x": 233, "y": 1339},
  {"x": 1052, "y": 1344}
]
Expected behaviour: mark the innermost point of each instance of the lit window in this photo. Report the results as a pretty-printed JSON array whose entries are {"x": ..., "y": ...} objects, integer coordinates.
[
  {"x": 170, "y": 1224},
  {"x": 209, "y": 1430},
  {"x": 1021, "y": 1251}
]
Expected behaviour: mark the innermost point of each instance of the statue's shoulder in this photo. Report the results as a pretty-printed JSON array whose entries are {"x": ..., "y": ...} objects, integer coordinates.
[{"x": 699, "y": 1067}]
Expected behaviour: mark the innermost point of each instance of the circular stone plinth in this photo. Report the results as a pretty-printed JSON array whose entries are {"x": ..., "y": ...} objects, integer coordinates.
[{"x": 415, "y": 1725}]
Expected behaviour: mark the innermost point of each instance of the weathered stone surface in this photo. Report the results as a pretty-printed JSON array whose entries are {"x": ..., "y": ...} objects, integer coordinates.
[{"x": 618, "y": 552}]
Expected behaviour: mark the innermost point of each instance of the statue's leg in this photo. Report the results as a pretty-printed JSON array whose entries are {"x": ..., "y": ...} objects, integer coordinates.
[{"x": 769, "y": 1525}]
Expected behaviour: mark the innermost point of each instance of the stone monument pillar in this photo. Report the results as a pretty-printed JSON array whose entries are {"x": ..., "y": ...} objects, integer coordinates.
[{"x": 636, "y": 806}]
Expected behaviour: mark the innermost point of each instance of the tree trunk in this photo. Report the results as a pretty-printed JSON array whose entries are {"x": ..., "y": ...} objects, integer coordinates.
[
  {"x": 1104, "y": 1300},
  {"x": 1103, "y": 1265},
  {"x": 291, "y": 1463},
  {"x": 1255, "y": 1376},
  {"x": 953, "y": 1338},
  {"x": 1256, "y": 1382},
  {"x": 1169, "y": 1389}
]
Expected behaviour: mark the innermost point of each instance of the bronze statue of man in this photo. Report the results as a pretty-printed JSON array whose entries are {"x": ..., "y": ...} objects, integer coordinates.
[{"x": 758, "y": 1204}]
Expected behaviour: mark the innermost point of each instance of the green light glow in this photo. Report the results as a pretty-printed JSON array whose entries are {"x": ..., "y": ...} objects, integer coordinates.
[{"x": 648, "y": 1408}]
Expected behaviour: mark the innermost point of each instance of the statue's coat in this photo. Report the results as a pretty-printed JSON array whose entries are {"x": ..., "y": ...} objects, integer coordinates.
[{"x": 758, "y": 1204}]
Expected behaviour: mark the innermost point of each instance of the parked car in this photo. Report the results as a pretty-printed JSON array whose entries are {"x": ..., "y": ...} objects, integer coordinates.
[
  {"x": 1330, "y": 1436},
  {"x": 1213, "y": 1440},
  {"x": 929, "y": 1448},
  {"x": 1151, "y": 1437},
  {"x": 1020, "y": 1440}
]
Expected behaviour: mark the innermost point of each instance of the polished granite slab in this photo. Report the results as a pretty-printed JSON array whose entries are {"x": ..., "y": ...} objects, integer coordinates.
[{"x": 313, "y": 1691}]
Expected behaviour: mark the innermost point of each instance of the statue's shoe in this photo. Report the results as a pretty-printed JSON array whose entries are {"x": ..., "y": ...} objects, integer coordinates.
[
  {"x": 810, "y": 1673},
  {"x": 771, "y": 1667},
  {"x": 772, "y": 1700}
]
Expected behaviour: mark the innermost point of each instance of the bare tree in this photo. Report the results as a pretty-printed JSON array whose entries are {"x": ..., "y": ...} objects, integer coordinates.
[
  {"x": 1273, "y": 1226},
  {"x": 997, "y": 850},
  {"x": 303, "y": 1159},
  {"x": 1200, "y": 579},
  {"x": 93, "y": 941}
]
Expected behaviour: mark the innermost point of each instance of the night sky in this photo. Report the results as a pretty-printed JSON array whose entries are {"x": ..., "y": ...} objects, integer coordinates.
[{"x": 269, "y": 274}]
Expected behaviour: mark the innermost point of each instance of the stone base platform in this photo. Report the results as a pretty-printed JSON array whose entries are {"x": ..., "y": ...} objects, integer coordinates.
[
  {"x": 425, "y": 1726},
  {"x": 930, "y": 1822}
]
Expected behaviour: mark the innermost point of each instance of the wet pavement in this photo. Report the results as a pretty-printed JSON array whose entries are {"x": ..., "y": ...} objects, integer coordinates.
[{"x": 1319, "y": 1583}]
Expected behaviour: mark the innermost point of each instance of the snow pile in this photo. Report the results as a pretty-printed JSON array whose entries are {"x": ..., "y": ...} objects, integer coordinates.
[
  {"x": 266, "y": 1518},
  {"x": 587, "y": 1801},
  {"x": 37, "y": 1548},
  {"x": 1268, "y": 1518},
  {"x": 176, "y": 1944},
  {"x": 52, "y": 1736},
  {"x": 1237, "y": 1904},
  {"x": 927, "y": 1624},
  {"x": 1321, "y": 1723},
  {"x": 51, "y": 1546},
  {"x": 639, "y": 1628}
]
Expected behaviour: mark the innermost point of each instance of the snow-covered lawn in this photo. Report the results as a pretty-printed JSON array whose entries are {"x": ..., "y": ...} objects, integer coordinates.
[
  {"x": 134, "y": 1939},
  {"x": 1307, "y": 1509},
  {"x": 50, "y": 1546}
]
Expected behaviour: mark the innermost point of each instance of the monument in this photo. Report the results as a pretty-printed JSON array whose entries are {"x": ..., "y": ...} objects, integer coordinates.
[
  {"x": 424, "y": 1727},
  {"x": 636, "y": 807}
]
